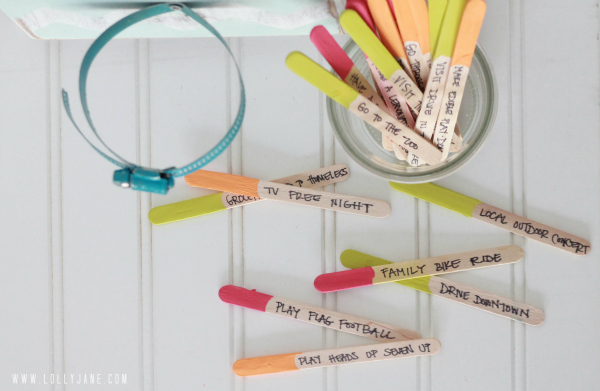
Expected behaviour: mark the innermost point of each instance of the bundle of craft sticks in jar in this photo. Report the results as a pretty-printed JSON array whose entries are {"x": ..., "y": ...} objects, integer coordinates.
[{"x": 419, "y": 55}]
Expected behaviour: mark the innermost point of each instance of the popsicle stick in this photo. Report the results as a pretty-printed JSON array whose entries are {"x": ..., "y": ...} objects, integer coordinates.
[
  {"x": 530, "y": 229},
  {"x": 343, "y": 65},
  {"x": 466, "y": 41},
  {"x": 285, "y": 193},
  {"x": 318, "y": 316},
  {"x": 348, "y": 279},
  {"x": 381, "y": 57},
  {"x": 519, "y": 225},
  {"x": 388, "y": 32},
  {"x": 437, "y": 9},
  {"x": 222, "y": 201},
  {"x": 334, "y": 357},
  {"x": 361, "y": 8},
  {"x": 390, "y": 37},
  {"x": 421, "y": 15},
  {"x": 459, "y": 293},
  {"x": 413, "y": 24},
  {"x": 337, "y": 90},
  {"x": 489, "y": 302},
  {"x": 434, "y": 91},
  {"x": 396, "y": 106}
]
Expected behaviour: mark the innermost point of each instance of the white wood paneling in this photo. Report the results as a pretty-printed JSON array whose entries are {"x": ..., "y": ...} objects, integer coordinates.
[
  {"x": 475, "y": 336},
  {"x": 26, "y": 249},
  {"x": 561, "y": 145},
  {"x": 188, "y": 116},
  {"x": 101, "y": 268},
  {"x": 282, "y": 242},
  {"x": 88, "y": 285}
]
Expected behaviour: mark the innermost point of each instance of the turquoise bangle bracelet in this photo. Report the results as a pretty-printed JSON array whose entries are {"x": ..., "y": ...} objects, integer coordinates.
[{"x": 130, "y": 175}]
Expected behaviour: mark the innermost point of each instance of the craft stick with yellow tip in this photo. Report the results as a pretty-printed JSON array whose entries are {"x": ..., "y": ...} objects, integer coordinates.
[
  {"x": 222, "y": 201},
  {"x": 437, "y": 9},
  {"x": 279, "y": 192},
  {"x": 519, "y": 225},
  {"x": 340, "y": 92},
  {"x": 453, "y": 291},
  {"x": 413, "y": 22},
  {"x": 348, "y": 279},
  {"x": 434, "y": 91},
  {"x": 466, "y": 41},
  {"x": 334, "y": 357},
  {"x": 381, "y": 57}
]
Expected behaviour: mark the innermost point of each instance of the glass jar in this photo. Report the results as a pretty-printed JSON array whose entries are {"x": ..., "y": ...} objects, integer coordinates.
[{"x": 476, "y": 119}]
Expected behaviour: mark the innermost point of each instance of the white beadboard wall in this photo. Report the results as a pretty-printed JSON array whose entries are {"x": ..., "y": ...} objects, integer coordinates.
[{"x": 88, "y": 285}]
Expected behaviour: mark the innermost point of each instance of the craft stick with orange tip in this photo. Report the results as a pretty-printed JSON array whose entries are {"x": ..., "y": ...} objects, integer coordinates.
[
  {"x": 339, "y": 91},
  {"x": 318, "y": 316},
  {"x": 471, "y": 207},
  {"x": 343, "y": 65},
  {"x": 454, "y": 291},
  {"x": 390, "y": 37},
  {"x": 334, "y": 357},
  {"x": 388, "y": 32},
  {"x": 280, "y": 192},
  {"x": 466, "y": 41},
  {"x": 434, "y": 91},
  {"x": 413, "y": 23},
  {"x": 348, "y": 279},
  {"x": 222, "y": 201},
  {"x": 381, "y": 57}
]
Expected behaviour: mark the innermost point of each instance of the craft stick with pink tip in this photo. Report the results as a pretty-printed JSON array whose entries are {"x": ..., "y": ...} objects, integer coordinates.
[
  {"x": 318, "y": 316},
  {"x": 343, "y": 65},
  {"x": 348, "y": 279},
  {"x": 279, "y": 192},
  {"x": 333, "y": 357},
  {"x": 466, "y": 41},
  {"x": 413, "y": 23}
]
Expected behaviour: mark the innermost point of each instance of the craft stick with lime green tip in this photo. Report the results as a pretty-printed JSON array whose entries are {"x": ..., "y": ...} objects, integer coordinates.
[
  {"x": 453, "y": 291},
  {"x": 371, "y": 275},
  {"x": 381, "y": 57},
  {"x": 466, "y": 41},
  {"x": 413, "y": 23},
  {"x": 479, "y": 210},
  {"x": 432, "y": 97},
  {"x": 343, "y": 94},
  {"x": 437, "y": 9},
  {"x": 222, "y": 201}
]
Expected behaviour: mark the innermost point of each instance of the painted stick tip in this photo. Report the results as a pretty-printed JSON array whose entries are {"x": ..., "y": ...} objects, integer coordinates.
[
  {"x": 243, "y": 297},
  {"x": 346, "y": 279},
  {"x": 266, "y": 364},
  {"x": 317, "y": 31}
]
